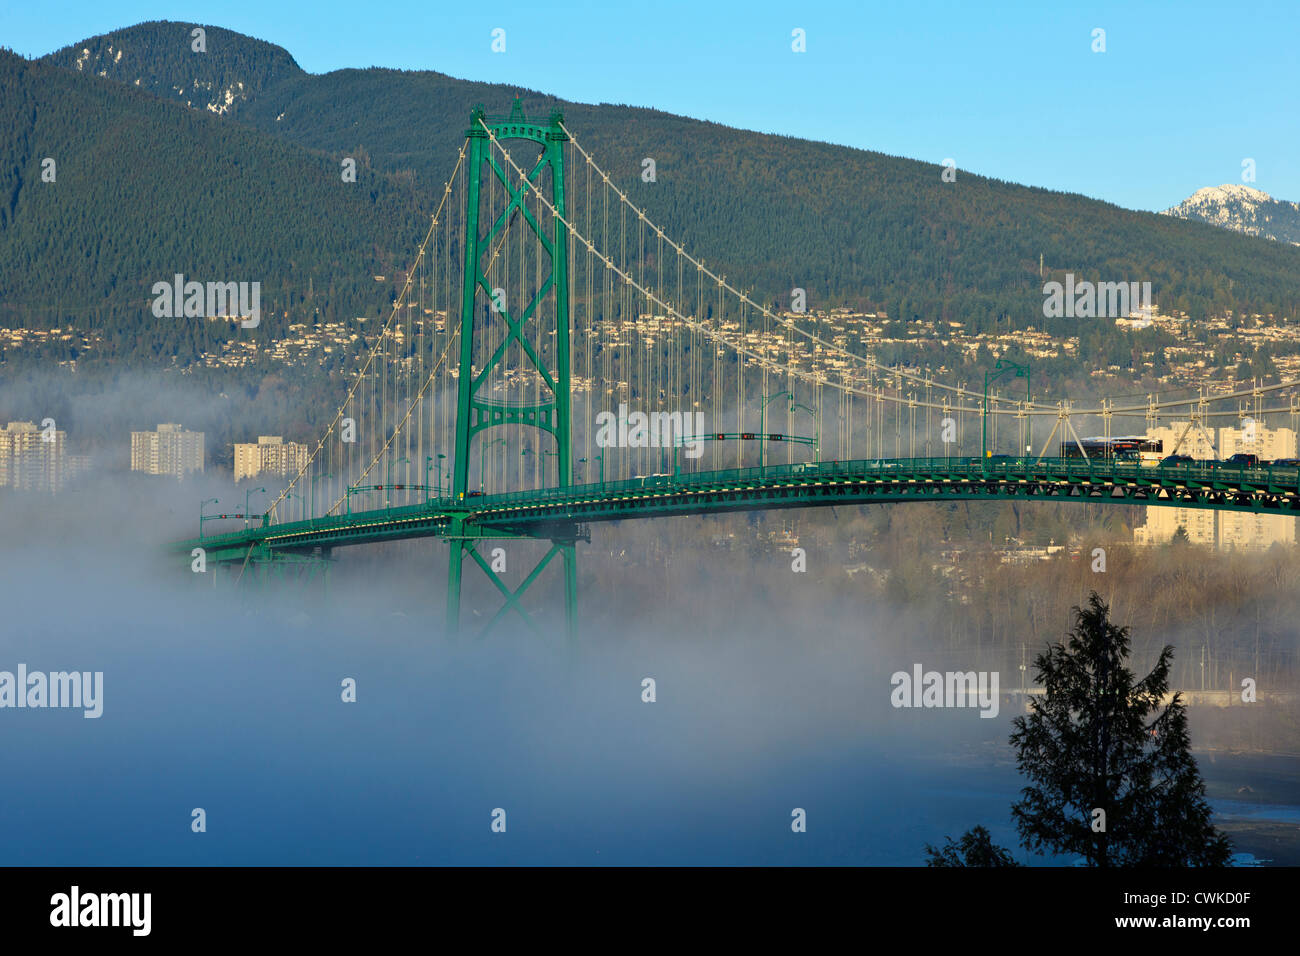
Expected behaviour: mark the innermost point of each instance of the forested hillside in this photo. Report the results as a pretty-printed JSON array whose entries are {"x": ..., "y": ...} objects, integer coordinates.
[
  {"x": 146, "y": 181},
  {"x": 144, "y": 188},
  {"x": 164, "y": 58}
]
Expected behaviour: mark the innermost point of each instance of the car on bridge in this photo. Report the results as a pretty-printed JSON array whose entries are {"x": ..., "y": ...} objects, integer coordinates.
[
  {"x": 1177, "y": 461},
  {"x": 1286, "y": 463},
  {"x": 1242, "y": 460}
]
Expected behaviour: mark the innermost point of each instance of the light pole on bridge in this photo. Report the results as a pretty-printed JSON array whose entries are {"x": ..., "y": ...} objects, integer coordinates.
[
  {"x": 762, "y": 421},
  {"x": 247, "y": 495},
  {"x": 388, "y": 482},
  {"x": 482, "y": 462},
  {"x": 817, "y": 429},
  {"x": 528, "y": 451},
  {"x": 203, "y": 504},
  {"x": 429, "y": 462},
  {"x": 313, "y": 492},
  {"x": 1000, "y": 368},
  {"x": 356, "y": 491}
]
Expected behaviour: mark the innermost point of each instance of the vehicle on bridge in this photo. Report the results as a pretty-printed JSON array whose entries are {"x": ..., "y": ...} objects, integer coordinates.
[
  {"x": 1242, "y": 460},
  {"x": 1138, "y": 448}
]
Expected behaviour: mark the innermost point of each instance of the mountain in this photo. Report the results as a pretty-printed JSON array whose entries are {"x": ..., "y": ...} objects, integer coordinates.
[
  {"x": 230, "y": 157},
  {"x": 1242, "y": 209},
  {"x": 144, "y": 188},
  {"x": 160, "y": 57}
]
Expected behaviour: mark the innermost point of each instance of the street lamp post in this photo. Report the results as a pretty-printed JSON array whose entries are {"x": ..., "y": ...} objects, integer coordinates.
[
  {"x": 247, "y": 495},
  {"x": 388, "y": 482},
  {"x": 313, "y": 493},
  {"x": 762, "y": 422},
  {"x": 581, "y": 461},
  {"x": 601, "y": 458},
  {"x": 482, "y": 463},
  {"x": 355, "y": 491},
  {"x": 817, "y": 429},
  {"x": 203, "y": 504},
  {"x": 553, "y": 454},
  {"x": 1000, "y": 367},
  {"x": 429, "y": 462},
  {"x": 528, "y": 451}
]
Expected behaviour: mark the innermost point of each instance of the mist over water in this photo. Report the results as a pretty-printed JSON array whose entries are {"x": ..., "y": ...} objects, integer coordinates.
[
  {"x": 773, "y": 693},
  {"x": 229, "y": 700}
]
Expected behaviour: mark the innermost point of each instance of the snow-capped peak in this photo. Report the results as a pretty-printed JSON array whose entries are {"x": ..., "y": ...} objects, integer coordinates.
[{"x": 1242, "y": 209}]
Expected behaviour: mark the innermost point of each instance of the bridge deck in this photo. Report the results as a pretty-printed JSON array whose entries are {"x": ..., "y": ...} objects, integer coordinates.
[{"x": 544, "y": 513}]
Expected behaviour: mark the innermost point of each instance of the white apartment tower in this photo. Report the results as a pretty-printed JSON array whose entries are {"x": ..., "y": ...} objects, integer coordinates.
[
  {"x": 32, "y": 458},
  {"x": 271, "y": 455},
  {"x": 171, "y": 450}
]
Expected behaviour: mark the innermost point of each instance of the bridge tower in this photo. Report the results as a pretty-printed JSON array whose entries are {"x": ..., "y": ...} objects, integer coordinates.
[{"x": 476, "y": 411}]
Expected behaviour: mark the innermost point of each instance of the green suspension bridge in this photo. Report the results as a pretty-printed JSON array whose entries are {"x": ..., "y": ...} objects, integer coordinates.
[{"x": 542, "y": 298}]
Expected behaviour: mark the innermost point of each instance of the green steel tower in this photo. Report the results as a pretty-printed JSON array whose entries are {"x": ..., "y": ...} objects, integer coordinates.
[{"x": 477, "y": 413}]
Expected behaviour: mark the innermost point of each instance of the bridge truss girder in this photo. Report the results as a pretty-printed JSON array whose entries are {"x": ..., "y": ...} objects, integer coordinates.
[{"x": 676, "y": 501}]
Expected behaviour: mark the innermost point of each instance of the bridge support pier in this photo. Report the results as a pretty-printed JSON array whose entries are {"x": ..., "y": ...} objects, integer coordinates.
[
  {"x": 570, "y": 554},
  {"x": 467, "y": 547},
  {"x": 456, "y": 561}
]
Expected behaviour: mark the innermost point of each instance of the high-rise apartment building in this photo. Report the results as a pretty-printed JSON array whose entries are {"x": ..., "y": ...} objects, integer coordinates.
[
  {"x": 171, "y": 450},
  {"x": 271, "y": 455},
  {"x": 1221, "y": 529},
  {"x": 32, "y": 457},
  {"x": 1243, "y": 531}
]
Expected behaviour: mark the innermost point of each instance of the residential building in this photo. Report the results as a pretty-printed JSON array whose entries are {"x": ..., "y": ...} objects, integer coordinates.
[
  {"x": 1243, "y": 531},
  {"x": 31, "y": 457},
  {"x": 1224, "y": 530},
  {"x": 271, "y": 455},
  {"x": 171, "y": 450}
]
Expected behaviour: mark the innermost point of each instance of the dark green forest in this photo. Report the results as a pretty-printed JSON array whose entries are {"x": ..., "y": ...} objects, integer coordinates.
[
  {"x": 143, "y": 188},
  {"x": 853, "y": 227},
  {"x": 148, "y": 178}
]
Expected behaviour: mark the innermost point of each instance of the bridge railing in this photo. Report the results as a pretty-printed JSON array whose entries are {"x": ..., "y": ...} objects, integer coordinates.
[
  {"x": 1210, "y": 473},
  {"x": 1283, "y": 478}
]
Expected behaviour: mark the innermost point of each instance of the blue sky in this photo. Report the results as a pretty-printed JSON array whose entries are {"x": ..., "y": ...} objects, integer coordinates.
[{"x": 1184, "y": 92}]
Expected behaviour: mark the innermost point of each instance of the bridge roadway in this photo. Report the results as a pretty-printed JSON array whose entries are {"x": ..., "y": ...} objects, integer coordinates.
[{"x": 555, "y": 512}]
